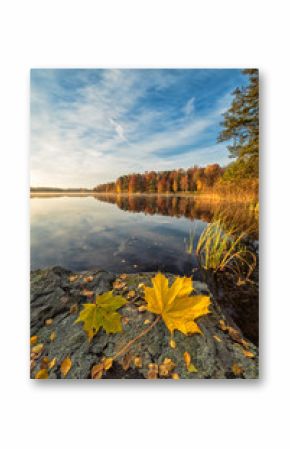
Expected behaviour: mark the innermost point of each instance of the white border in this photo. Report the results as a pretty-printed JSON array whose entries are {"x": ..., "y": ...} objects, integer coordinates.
[{"x": 149, "y": 33}]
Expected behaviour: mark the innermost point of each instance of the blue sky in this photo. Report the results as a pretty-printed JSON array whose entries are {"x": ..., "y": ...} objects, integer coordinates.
[{"x": 88, "y": 126}]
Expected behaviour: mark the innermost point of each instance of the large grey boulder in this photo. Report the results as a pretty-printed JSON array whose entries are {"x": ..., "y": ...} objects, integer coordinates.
[{"x": 217, "y": 353}]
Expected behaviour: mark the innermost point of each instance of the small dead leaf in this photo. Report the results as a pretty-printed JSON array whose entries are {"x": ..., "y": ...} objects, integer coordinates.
[
  {"x": 175, "y": 376},
  {"x": 52, "y": 363},
  {"x": 217, "y": 338},
  {"x": 72, "y": 278},
  {"x": 138, "y": 362},
  {"x": 123, "y": 276},
  {"x": 52, "y": 336},
  {"x": 141, "y": 285},
  {"x": 187, "y": 358},
  {"x": 41, "y": 374},
  {"x": 44, "y": 363},
  {"x": 237, "y": 369},
  {"x": 37, "y": 349},
  {"x": 189, "y": 366},
  {"x": 223, "y": 325},
  {"x": 126, "y": 362},
  {"x": 172, "y": 343},
  {"x": 87, "y": 293},
  {"x": 48, "y": 322},
  {"x": 248, "y": 354},
  {"x": 32, "y": 364},
  {"x": 142, "y": 309},
  {"x": 147, "y": 322},
  {"x": 73, "y": 309},
  {"x": 88, "y": 279},
  {"x": 65, "y": 366},
  {"x": 166, "y": 367},
  {"x": 33, "y": 339},
  {"x": 234, "y": 334},
  {"x": 107, "y": 362},
  {"x": 118, "y": 285},
  {"x": 152, "y": 371},
  {"x": 125, "y": 320},
  {"x": 131, "y": 294},
  {"x": 244, "y": 343},
  {"x": 97, "y": 371}
]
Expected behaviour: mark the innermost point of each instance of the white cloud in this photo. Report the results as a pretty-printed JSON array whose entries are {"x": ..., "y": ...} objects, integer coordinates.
[
  {"x": 189, "y": 106},
  {"x": 106, "y": 129}
]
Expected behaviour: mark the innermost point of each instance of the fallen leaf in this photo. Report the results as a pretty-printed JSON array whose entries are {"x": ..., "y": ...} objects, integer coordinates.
[
  {"x": 38, "y": 348},
  {"x": 52, "y": 363},
  {"x": 166, "y": 367},
  {"x": 72, "y": 278},
  {"x": 108, "y": 362},
  {"x": 41, "y": 374},
  {"x": 244, "y": 343},
  {"x": 102, "y": 313},
  {"x": 177, "y": 308},
  {"x": 175, "y": 376},
  {"x": 189, "y": 366},
  {"x": 223, "y": 325},
  {"x": 48, "y": 322},
  {"x": 44, "y": 362},
  {"x": 97, "y": 371},
  {"x": 123, "y": 276},
  {"x": 52, "y": 336},
  {"x": 147, "y": 322},
  {"x": 131, "y": 294},
  {"x": 141, "y": 286},
  {"x": 65, "y": 366},
  {"x": 142, "y": 309},
  {"x": 217, "y": 338},
  {"x": 152, "y": 371},
  {"x": 126, "y": 362},
  {"x": 237, "y": 369},
  {"x": 73, "y": 309},
  {"x": 125, "y": 320},
  {"x": 32, "y": 364},
  {"x": 88, "y": 279},
  {"x": 118, "y": 285},
  {"x": 187, "y": 358},
  {"x": 33, "y": 339},
  {"x": 87, "y": 293},
  {"x": 138, "y": 362},
  {"x": 248, "y": 354},
  {"x": 234, "y": 334},
  {"x": 172, "y": 343}
]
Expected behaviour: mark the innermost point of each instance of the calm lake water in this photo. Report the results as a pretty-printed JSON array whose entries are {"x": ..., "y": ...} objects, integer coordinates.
[{"x": 120, "y": 234}]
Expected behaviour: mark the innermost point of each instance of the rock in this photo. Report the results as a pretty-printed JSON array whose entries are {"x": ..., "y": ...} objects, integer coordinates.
[{"x": 53, "y": 294}]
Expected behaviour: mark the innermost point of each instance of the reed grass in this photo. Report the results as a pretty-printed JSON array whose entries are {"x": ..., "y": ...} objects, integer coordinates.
[{"x": 220, "y": 248}]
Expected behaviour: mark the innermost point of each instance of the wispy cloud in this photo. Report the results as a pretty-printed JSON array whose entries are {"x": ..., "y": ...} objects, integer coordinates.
[{"x": 90, "y": 126}]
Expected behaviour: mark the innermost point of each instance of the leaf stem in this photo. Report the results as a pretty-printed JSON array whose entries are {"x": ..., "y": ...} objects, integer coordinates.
[{"x": 131, "y": 342}]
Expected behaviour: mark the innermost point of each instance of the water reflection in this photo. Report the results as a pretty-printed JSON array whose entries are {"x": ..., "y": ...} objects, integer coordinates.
[
  {"x": 239, "y": 215},
  {"x": 82, "y": 233}
]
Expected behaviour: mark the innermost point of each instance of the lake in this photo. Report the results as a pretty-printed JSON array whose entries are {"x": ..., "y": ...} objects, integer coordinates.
[{"x": 123, "y": 233}]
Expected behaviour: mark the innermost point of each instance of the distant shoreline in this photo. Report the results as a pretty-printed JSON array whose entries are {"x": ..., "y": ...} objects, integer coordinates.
[{"x": 203, "y": 196}]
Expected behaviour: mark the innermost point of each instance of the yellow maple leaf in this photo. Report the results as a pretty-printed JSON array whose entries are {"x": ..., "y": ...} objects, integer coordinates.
[
  {"x": 177, "y": 308},
  {"x": 102, "y": 313}
]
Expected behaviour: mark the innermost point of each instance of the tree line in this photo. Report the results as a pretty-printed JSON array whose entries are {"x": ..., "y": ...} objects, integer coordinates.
[{"x": 170, "y": 181}]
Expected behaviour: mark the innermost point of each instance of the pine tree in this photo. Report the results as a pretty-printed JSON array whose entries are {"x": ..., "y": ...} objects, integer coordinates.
[{"x": 241, "y": 127}]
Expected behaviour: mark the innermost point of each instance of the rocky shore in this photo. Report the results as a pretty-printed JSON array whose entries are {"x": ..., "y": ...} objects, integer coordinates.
[{"x": 57, "y": 295}]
